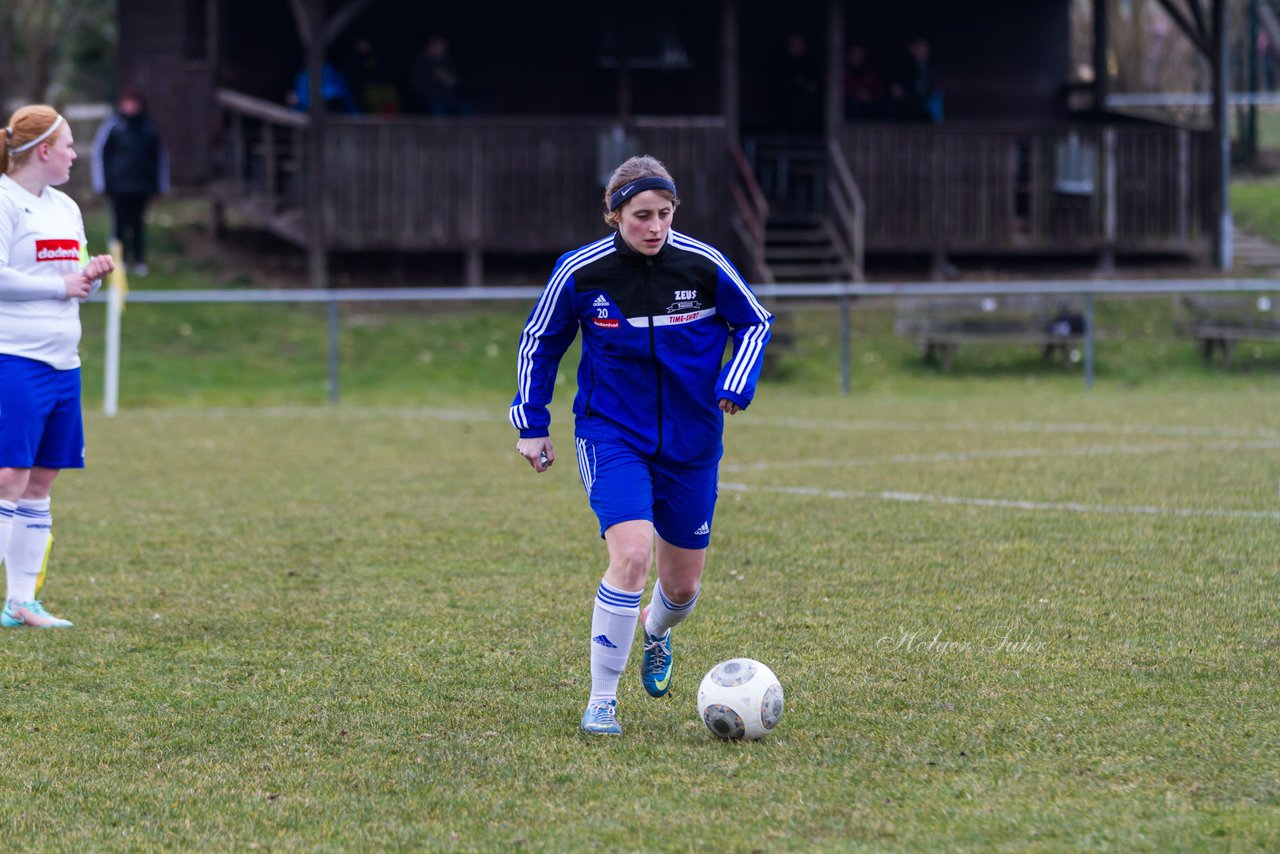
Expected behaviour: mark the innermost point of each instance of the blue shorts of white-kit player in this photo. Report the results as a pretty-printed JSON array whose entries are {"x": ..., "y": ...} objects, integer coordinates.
[
  {"x": 40, "y": 421},
  {"x": 624, "y": 485}
]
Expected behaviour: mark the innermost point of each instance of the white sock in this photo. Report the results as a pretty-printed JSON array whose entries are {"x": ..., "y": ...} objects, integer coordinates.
[
  {"x": 613, "y": 627},
  {"x": 28, "y": 550},
  {"x": 663, "y": 613},
  {"x": 7, "y": 509}
]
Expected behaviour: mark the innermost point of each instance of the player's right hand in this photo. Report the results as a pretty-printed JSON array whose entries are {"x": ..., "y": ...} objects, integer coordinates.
[
  {"x": 78, "y": 285},
  {"x": 538, "y": 452}
]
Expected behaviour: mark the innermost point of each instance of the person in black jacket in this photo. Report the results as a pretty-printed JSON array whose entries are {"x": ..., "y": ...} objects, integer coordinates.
[{"x": 130, "y": 166}]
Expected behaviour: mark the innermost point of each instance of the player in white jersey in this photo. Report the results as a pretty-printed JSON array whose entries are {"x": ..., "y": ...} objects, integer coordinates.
[{"x": 45, "y": 273}]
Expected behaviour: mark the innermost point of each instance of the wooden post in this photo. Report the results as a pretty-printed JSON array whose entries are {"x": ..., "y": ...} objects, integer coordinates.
[
  {"x": 1100, "y": 37},
  {"x": 730, "y": 91},
  {"x": 1107, "y": 263},
  {"x": 1222, "y": 133},
  {"x": 269, "y": 167},
  {"x": 1184, "y": 184},
  {"x": 317, "y": 250},
  {"x": 213, "y": 51},
  {"x": 474, "y": 260},
  {"x": 834, "y": 107}
]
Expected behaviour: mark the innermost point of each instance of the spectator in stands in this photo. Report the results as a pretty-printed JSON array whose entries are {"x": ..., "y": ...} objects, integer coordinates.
[
  {"x": 334, "y": 88},
  {"x": 130, "y": 166},
  {"x": 913, "y": 96},
  {"x": 1267, "y": 61},
  {"x": 434, "y": 83},
  {"x": 863, "y": 88},
  {"x": 798, "y": 97},
  {"x": 373, "y": 88}
]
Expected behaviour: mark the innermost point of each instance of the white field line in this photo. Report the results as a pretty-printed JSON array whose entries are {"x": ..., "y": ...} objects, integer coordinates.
[
  {"x": 499, "y": 415},
  {"x": 863, "y": 424},
  {"x": 1005, "y": 504},
  {"x": 1006, "y": 454},
  {"x": 364, "y": 413}
]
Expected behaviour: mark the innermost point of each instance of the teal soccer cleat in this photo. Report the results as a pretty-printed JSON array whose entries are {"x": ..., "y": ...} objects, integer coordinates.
[
  {"x": 655, "y": 665},
  {"x": 31, "y": 614},
  {"x": 601, "y": 718}
]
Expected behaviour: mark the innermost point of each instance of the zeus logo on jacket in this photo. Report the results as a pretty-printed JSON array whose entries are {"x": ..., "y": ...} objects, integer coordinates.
[{"x": 655, "y": 380}]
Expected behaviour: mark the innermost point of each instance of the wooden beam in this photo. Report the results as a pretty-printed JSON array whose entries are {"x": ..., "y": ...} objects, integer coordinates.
[
  {"x": 1197, "y": 12},
  {"x": 303, "y": 21},
  {"x": 1267, "y": 17},
  {"x": 343, "y": 18},
  {"x": 1194, "y": 30}
]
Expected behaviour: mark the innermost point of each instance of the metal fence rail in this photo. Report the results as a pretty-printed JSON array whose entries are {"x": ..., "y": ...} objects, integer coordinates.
[{"x": 843, "y": 292}]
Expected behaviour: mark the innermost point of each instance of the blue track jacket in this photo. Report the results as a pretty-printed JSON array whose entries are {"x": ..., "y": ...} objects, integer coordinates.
[{"x": 654, "y": 330}]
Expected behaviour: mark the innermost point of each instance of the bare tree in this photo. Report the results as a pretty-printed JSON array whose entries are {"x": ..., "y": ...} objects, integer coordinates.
[
  {"x": 8, "y": 17},
  {"x": 38, "y": 39}
]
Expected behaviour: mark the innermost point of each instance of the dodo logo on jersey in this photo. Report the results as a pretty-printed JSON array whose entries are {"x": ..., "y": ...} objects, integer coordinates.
[{"x": 57, "y": 250}]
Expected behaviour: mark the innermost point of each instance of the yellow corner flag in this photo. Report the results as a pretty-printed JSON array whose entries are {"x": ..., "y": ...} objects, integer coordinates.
[{"x": 118, "y": 280}]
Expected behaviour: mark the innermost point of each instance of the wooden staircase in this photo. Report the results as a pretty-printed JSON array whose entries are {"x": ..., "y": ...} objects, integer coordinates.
[
  {"x": 803, "y": 249},
  {"x": 813, "y": 228}
]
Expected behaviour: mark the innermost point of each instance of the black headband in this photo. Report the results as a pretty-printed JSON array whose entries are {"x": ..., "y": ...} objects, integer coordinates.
[{"x": 624, "y": 193}]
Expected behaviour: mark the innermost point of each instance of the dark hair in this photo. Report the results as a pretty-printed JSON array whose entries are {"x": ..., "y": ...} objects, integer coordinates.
[{"x": 631, "y": 169}]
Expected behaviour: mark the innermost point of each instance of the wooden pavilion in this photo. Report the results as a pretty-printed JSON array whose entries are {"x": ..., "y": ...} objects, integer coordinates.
[{"x": 558, "y": 95}]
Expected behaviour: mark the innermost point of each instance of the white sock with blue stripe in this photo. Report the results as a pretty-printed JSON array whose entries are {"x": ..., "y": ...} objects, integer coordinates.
[
  {"x": 7, "y": 509},
  {"x": 613, "y": 627},
  {"x": 28, "y": 549},
  {"x": 663, "y": 613}
]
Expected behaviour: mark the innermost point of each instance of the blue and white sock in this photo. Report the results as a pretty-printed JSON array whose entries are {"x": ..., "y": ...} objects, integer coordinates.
[
  {"x": 613, "y": 627},
  {"x": 7, "y": 509},
  {"x": 663, "y": 613},
  {"x": 28, "y": 549}
]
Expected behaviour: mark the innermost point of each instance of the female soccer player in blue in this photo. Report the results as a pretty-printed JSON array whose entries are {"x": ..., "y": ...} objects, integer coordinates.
[
  {"x": 656, "y": 309},
  {"x": 45, "y": 273}
]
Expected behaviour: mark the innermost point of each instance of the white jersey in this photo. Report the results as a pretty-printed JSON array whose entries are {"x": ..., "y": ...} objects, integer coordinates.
[{"x": 41, "y": 240}]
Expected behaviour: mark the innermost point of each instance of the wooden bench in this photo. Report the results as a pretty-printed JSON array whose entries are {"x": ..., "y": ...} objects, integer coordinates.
[
  {"x": 1220, "y": 322},
  {"x": 941, "y": 324}
]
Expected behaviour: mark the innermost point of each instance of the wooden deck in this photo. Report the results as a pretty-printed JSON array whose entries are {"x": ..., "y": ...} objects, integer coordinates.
[
  {"x": 533, "y": 184},
  {"x": 1072, "y": 189},
  {"x": 486, "y": 184}
]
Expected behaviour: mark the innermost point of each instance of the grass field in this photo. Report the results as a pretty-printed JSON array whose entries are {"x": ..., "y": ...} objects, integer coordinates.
[
  {"x": 1008, "y": 613},
  {"x": 1013, "y": 620}
]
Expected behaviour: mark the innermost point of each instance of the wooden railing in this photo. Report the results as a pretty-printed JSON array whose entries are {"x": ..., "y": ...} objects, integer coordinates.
[
  {"x": 260, "y": 157},
  {"x": 491, "y": 184},
  {"x": 846, "y": 212},
  {"x": 534, "y": 184},
  {"x": 1081, "y": 188},
  {"x": 750, "y": 213}
]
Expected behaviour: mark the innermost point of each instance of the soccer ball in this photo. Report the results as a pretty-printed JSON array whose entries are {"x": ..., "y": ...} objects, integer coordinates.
[{"x": 740, "y": 698}]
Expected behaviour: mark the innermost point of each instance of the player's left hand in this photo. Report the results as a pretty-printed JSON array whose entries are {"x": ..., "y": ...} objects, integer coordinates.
[
  {"x": 98, "y": 266},
  {"x": 727, "y": 405}
]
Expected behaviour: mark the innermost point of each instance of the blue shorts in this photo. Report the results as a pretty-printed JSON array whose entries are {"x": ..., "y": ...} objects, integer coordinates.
[
  {"x": 624, "y": 486},
  {"x": 40, "y": 422}
]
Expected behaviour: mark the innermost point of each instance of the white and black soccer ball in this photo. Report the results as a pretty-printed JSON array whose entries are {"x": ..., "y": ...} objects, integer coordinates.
[{"x": 740, "y": 698}]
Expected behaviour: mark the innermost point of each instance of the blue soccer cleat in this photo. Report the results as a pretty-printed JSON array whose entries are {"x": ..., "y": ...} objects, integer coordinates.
[
  {"x": 655, "y": 665},
  {"x": 601, "y": 718},
  {"x": 31, "y": 614}
]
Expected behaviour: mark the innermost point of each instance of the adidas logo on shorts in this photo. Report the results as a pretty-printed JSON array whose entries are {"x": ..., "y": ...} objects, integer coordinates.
[
  {"x": 705, "y": 529},
  {"x": 600, "y": 301}
]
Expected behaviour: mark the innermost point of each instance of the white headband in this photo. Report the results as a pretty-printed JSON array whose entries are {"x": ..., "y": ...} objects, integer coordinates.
[{"x": 41, "y": 138}]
